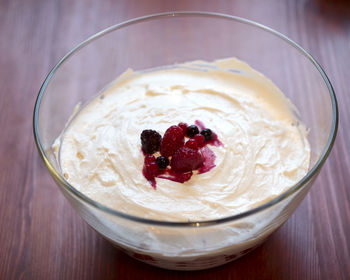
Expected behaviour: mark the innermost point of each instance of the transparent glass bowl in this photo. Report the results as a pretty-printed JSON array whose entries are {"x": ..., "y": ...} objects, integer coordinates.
[{"x": 165, "y": 39}]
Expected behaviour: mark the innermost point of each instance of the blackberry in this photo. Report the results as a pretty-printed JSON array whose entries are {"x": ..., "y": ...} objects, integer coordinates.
[
  {"x": 192, "y": 130},
  {"x": 162, "y": 162},
  {"x": 207, "y": 133},
  {"x": 150, "y": 141}
]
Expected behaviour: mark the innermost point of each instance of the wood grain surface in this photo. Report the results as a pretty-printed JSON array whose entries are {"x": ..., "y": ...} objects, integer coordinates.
[{"x": 41, "y": 237}]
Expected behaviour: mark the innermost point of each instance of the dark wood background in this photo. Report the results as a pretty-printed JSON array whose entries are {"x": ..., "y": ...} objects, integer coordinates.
[{"x": 41, "y": 237}]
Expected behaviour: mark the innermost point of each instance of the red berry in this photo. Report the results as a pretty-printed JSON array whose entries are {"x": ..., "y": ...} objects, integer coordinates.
[
  {"x": 183, "y": 126},
  {"x": 192, "y": 144},
  {"x": 200, "y": 140},
  {"x": 151, "y": 170},
  {"x": 186, "y": 159},
  {"x": 173, "y": 139},
  {"x": 149, "y": 159}
]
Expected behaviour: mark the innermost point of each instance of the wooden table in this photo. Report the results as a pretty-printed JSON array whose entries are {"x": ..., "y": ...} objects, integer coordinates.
[{"x": 41, "y": 237}]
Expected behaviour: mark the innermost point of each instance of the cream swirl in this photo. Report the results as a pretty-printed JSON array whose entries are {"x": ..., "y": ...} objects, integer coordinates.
[{"x": 265, "y": 148}]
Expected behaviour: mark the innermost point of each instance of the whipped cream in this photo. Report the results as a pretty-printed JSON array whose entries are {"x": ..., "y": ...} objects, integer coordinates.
[{"x": 265, "y": 149}]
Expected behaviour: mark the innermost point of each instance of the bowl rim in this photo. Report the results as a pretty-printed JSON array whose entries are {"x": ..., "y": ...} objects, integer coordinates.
[{"x": 311, "y": 173}]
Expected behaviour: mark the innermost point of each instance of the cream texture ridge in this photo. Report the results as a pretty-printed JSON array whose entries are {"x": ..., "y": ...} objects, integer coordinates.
[{"x": 265, "y": 149}]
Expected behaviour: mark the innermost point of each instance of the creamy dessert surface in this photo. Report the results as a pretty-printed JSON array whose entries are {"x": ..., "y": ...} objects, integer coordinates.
[{"x": 265, "y": 149}]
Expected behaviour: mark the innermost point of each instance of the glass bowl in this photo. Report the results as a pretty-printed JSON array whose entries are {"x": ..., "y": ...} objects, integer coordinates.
[{"x": 166, "y": 39}]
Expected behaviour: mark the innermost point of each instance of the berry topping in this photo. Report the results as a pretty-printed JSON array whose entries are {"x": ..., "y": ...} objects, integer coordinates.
[
  {"x": 186, "y": 159},
  {"x": 183, "y": 127},
  {"x": 162, "y": 162},
  {"x": 192, "y": 130},
  {"x": 200, "y": 140},
  {"x": 150, "y": 141},
  {"x": 192, "y": 144},
  {"x": 149, "y": 159},
  {"x": 171, "y": 158},
  {"x": 207, "y": 133},
  {"x": 173, "y": 139},
  {"x": 151, "y": 168}
]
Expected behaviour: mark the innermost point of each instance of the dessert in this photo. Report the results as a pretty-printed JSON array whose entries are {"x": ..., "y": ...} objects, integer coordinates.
[{"x": 265, "y": 149}]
